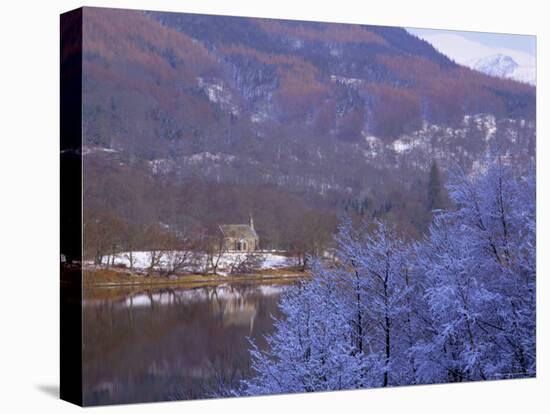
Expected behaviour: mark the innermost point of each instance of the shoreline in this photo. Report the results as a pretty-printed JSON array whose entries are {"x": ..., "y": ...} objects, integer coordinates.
[{"x": 114, "y": 278}]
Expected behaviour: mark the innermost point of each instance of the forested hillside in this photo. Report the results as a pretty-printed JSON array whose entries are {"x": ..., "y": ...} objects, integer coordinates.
[{"x": 193, "y": 120}]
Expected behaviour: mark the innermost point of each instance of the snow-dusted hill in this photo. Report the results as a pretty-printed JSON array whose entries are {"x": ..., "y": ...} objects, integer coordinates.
[{"x": 293, "y": 122}]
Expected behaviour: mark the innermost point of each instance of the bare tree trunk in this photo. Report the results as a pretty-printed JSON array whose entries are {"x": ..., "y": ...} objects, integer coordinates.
[
  {"x": 410, "y": 344},
  {"x": 359, "y": 314},
  {"x": 131, "y": 259},
  {"x": 387, "y": 361},
  {"x": 387, "y": 324}
]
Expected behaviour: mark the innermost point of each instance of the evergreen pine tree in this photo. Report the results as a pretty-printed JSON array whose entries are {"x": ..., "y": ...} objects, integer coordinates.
[{"x": 436, "y": 197}]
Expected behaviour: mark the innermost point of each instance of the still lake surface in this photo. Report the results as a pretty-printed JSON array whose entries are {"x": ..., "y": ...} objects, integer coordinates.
[{"x": 172, "y": 343}]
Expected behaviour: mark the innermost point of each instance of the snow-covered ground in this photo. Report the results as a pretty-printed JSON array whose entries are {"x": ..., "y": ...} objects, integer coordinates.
[
  {"x": 263, "y": 260},
  {"x": 217, "y": 92}
]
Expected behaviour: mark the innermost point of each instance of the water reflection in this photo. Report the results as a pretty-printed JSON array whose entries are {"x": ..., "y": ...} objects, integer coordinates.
[{"x": 166, "y": 344}]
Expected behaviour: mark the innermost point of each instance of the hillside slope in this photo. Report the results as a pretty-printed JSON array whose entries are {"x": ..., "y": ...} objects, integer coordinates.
[{"x": 331, "y": 115}]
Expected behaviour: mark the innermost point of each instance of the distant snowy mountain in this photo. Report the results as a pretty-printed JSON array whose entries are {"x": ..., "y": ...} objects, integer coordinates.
[
  {"x": 496, "y": 65},
  {"x": 504, "y": 66},
  {"x": 493, "y": 60}
]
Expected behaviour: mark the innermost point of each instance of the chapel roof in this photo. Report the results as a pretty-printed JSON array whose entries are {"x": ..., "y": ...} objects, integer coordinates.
[{"x": 238, "y": 231}]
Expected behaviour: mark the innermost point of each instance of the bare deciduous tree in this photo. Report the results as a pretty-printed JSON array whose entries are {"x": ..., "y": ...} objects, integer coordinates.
[
  {"x": 181, "y": 256},
  {"x": 247, "y": 263},
  {"x": 214, "y": 249}
]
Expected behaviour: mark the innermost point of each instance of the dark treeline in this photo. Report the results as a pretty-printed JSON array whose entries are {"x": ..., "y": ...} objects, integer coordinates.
[{"x": 126, "y": 208}]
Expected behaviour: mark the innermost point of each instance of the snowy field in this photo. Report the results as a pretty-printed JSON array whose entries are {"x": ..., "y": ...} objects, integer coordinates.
[{"x": 196, "y": 261}]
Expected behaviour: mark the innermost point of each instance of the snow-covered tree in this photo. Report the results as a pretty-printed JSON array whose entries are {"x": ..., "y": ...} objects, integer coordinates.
[
  {"x": 374, "y": 259},
  {"x": 479, "y": 265},
  {"x": 311, "y": 348},
  {"x": 458, "y": 305}
]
